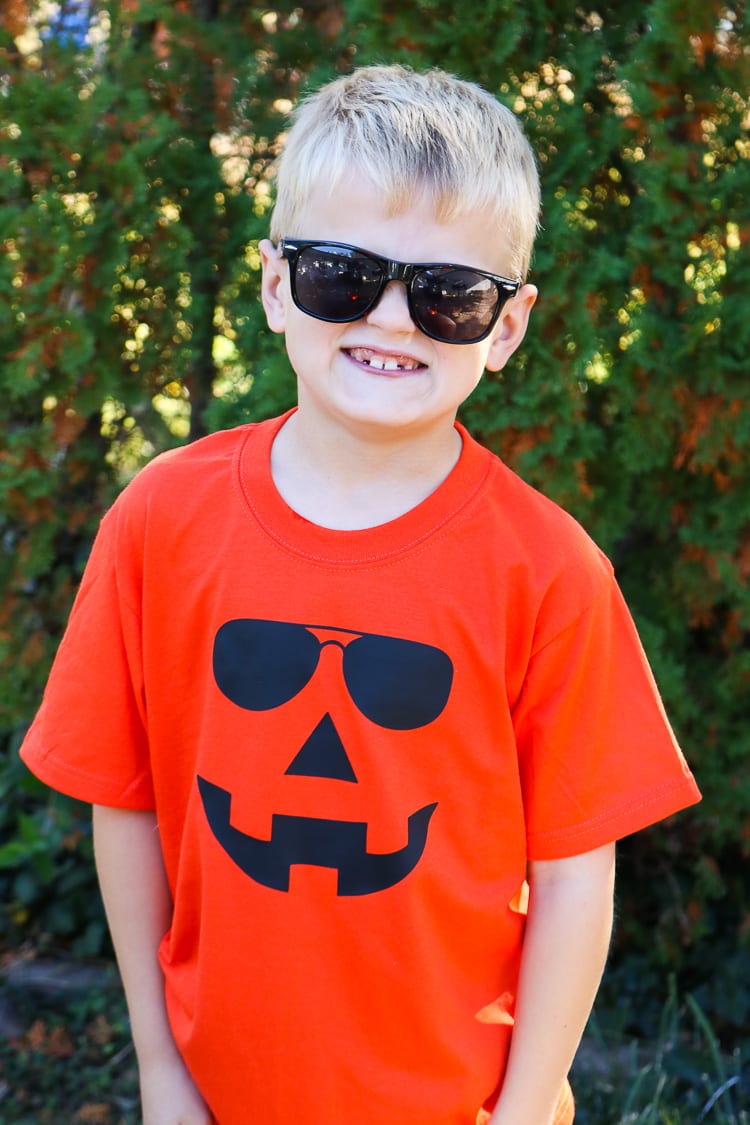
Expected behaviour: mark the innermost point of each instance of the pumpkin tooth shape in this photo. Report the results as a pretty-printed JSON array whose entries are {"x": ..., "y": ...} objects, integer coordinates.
[{"x": 339, "y": 844}]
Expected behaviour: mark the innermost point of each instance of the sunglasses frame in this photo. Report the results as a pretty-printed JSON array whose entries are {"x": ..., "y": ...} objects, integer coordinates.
[{"x": 405, "y": 272}]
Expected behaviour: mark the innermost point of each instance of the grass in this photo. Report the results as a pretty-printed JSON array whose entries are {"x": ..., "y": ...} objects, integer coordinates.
[
  {"x": 70, "y": 1061},
  {"x": 680, "y": 1077}
]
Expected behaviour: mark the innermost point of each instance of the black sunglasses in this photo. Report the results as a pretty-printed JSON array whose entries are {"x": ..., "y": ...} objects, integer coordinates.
[
  {"x": 396, "y": 683},
  {"x": 338, "y": 283}
]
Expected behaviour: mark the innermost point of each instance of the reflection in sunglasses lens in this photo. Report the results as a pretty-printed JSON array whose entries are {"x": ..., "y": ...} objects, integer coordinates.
[
  {"x": 456, "y": 304},
  {"x": 336, "y": 285}
]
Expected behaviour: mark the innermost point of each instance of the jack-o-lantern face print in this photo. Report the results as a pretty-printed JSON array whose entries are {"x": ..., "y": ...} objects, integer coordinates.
[{"x": 396, "y": 683}]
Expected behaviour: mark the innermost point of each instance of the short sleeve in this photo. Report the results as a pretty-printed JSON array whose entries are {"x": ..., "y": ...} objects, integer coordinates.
[
  {"x": 89, "y": 739},
  {"x": 598, "y": 758}
]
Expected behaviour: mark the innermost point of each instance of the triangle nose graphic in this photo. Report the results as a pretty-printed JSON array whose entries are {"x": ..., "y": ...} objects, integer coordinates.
[{"x": 323, "y": 755}]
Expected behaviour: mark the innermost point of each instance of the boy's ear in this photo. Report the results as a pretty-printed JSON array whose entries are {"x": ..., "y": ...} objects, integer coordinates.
[
  {"x": 511, "y": 328},
  {"x": 274, "y": 279}
]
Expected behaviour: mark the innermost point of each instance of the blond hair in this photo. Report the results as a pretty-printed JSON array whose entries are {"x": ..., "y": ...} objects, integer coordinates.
[{"x": 412, "y": 132}]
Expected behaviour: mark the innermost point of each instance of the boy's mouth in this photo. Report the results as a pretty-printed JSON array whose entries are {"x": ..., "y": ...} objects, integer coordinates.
[{"x": 384, "y": 361}]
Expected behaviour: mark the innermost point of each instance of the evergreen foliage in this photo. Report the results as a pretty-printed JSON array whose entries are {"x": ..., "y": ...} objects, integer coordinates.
[{"x": 135, "y": 144}]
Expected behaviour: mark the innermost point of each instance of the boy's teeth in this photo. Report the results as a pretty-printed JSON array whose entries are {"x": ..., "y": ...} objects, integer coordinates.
[{"x": 382, "y": 362}]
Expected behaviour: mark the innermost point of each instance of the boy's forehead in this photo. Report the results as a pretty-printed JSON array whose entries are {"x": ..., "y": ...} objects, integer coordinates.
[{"x": 356, "y": 211}]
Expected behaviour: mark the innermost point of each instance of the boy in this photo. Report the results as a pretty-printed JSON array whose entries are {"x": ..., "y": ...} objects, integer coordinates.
[{"x": 338, "y": 684}]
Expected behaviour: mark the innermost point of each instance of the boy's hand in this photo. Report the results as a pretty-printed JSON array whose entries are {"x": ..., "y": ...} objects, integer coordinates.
[{"x": 169, "y": 1095}]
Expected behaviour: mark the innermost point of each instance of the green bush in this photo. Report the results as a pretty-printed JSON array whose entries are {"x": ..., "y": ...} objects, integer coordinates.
[
  {"x": 46, "y": 866},
  {"x": 134, "y": 172}
]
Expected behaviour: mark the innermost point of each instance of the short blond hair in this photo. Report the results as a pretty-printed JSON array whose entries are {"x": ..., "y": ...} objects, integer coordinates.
[{"x": 411, "y": 132}]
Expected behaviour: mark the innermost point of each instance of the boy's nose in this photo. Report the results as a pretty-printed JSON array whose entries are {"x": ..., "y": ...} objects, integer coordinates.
[{"x": 392, "y": 310}]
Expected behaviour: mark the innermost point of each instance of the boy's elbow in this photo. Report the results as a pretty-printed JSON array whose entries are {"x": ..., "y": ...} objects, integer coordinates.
[{"x": 587, "y": 875}]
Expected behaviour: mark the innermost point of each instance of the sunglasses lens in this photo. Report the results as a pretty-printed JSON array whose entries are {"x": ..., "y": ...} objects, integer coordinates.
[
  {"x": 261, "y": 665},
  {"x": 457, "y": 306},
  {"x": 396, "y": 683},
  {"x": 336, "y": 284}
]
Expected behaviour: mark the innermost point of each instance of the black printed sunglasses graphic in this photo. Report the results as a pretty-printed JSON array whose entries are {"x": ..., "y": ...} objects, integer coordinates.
[{"x": 396, "y": 683}]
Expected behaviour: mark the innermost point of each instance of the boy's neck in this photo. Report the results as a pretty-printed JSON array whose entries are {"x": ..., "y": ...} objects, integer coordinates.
[{"x": 347, "y": 482}]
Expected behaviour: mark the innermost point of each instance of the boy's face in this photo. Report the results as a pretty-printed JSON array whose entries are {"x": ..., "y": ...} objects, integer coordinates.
[{"x": 381, "y": 375}]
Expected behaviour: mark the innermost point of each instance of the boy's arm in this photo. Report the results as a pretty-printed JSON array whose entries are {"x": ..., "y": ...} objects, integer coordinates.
[
  {"x": 567, "y": 936},
  {"x": 139, "y": 911}
]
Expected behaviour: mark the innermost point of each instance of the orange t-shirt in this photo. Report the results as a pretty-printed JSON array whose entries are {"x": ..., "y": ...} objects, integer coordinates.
[{"x": 354, "y": 741}]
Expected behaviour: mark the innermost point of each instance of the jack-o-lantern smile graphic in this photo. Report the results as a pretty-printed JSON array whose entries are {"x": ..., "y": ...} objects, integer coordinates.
[{"x": 396, "y": 683}]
